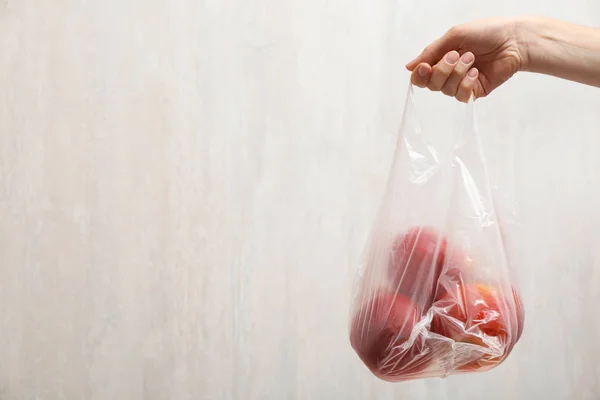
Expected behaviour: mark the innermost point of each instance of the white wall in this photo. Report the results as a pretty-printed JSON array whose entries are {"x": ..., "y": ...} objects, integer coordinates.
[{"x": 186, "y": 187}]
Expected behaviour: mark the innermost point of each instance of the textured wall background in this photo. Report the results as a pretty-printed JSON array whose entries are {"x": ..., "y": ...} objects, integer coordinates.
[{"x": 186, "y": 187}]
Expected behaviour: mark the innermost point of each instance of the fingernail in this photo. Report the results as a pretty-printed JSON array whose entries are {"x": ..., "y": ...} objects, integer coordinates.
[
  {"x": 452, "y": 57},
  {"x": 423, "y": 70},
  {"x": 472, "y": 73},
  {"x": 467, "y": 58}
]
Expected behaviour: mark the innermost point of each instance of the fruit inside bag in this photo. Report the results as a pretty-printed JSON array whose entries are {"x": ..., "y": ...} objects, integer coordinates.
[{"x": 436, "y": 294}]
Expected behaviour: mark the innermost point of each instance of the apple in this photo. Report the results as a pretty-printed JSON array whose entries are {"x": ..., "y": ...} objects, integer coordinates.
[
  {"x": 475, "y": 314},
  {"x": 409, "y": 360},
  {"x": 380, "y": 334},
  {"x": 416, "y": 263},
  {"x": 459, "y": 268}
]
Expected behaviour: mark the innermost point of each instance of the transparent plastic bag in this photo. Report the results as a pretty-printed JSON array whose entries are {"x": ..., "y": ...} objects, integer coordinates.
[{"x": 435, "y": 294}]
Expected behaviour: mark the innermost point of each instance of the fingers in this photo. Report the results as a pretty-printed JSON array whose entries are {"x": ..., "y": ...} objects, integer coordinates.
[
  {"x": 453, "y": 75},
  {"x": 420, "y": 75},
  {"x": 442, "y": 70},
  {"x": 433, "y": 53},
  {"x": 450, "y": 86},
  {"x": 468, "y": 86}
]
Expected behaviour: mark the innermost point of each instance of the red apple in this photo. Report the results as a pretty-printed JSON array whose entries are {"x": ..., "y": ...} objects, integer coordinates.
[
  {"x": 458, "y": 268},
  {"x": 476, "y": 314},
  {"x": 380, "y": 335},
  {"x": 416, "y": 263},
  {"x": 408, "y": 361}
]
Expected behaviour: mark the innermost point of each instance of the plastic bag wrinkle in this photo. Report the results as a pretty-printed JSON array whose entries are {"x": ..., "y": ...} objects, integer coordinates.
[{"x": 435, "y": 294}]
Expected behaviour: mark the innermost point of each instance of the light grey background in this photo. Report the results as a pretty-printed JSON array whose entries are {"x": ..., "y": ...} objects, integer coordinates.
[{"x": 186, "y": 188}]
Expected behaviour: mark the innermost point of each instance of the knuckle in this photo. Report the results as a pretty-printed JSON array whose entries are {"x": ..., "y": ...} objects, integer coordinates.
[
  {"x": 448, "y": 91},
  {"x": 427, "y": 50},
  {"x": 465, "y": 85},
  {"x": 445, "y": 68},
  {"x": 460, "y": 71},
  {"x": 418, "y": 81},
  {"x": 434, "y": 87},
  {"x": 455, "y": 31}
]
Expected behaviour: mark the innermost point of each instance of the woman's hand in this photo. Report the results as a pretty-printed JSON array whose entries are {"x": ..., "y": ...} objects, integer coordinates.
[{"x": 473, "y": 58}]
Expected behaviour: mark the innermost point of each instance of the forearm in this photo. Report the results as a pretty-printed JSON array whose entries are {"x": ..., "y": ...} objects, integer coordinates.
[{"x": 561, "y": 49}]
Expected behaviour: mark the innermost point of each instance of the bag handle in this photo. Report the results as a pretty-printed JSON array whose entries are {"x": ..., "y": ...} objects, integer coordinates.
[{"x": 466, "y": 127}]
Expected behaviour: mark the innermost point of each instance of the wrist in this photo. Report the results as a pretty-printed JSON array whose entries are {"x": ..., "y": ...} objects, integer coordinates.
[
  {"x": 532, "y": 35},
  {"x": 560, "y": 49}
]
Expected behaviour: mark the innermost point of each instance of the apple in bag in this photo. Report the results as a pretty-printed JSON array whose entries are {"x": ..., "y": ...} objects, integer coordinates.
[
  {"x": 381, "y": 332},
  {"x": 416, "y": 262}
]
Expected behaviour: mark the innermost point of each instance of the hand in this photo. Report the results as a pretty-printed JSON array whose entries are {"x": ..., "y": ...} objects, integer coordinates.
[{"x": 473, "y": 58}]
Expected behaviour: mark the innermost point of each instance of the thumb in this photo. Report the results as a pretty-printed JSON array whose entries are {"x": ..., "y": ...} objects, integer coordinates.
[{"x": 436, "y": 50}]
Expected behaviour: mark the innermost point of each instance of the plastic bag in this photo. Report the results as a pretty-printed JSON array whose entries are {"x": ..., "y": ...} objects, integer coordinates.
[{"x": 435, "y": 294}]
